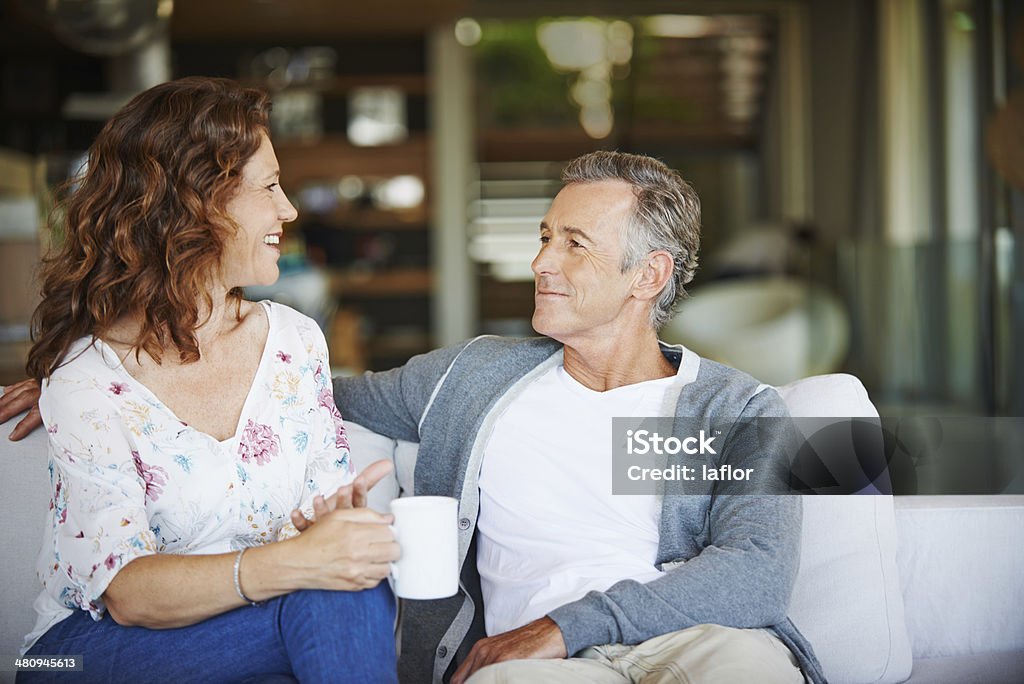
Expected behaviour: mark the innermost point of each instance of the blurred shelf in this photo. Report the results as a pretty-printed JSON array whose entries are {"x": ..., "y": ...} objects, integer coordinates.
[
  {"x": 409, "y": 84},
  {"x": 372, "y": 219},
  {"x": 391, "y": 345},
  {"x": 333, "y": 157},
  {"x": 398, "y": 282},
  {"x": 526, "y": 145}
]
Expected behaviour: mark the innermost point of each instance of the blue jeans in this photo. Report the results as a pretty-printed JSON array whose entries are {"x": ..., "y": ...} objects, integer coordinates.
[{"x": 309, "y": 636}]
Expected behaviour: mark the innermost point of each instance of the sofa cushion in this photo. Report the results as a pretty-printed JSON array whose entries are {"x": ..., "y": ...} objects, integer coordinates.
[{"x": 847, "y": 599}]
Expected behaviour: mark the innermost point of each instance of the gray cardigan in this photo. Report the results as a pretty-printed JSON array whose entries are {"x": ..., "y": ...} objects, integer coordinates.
[{"x": 729, "y": 560}]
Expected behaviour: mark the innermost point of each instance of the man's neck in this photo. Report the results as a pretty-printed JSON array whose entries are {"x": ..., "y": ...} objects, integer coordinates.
[{"x": 608, "y": 364}]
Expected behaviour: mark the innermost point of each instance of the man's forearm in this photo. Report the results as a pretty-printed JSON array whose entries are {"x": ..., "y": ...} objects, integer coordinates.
[
  {"x": 741, "y": 579},
  {"x": 391, "y": 403}
]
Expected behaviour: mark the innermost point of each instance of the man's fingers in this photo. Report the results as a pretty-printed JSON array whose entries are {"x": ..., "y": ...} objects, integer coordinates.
[
  {"x": 17, "y": 398},
  {"x": 29, "y": 423},
  {"x": 467, "y": 668}
]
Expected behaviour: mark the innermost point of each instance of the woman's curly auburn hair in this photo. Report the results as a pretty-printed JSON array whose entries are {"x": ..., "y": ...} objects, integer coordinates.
[{"x": 145, "y": 229}]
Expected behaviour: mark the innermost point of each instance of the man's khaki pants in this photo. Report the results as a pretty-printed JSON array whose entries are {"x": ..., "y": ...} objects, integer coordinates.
[{"x": 704, "y": 654}]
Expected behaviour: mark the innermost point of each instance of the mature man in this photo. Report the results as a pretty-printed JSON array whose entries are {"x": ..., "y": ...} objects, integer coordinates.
[
  {"x": 562, "y": 581},
  {"x": 568, "y": 582}
]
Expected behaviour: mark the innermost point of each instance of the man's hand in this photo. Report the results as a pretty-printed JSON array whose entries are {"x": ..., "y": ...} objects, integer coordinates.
[
  {"x": 352, "y": 495},
  {"x": 539, "y": 639},
  {"x": 17, "y": 398}
]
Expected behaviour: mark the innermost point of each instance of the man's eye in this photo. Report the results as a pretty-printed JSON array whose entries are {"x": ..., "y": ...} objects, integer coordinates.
[{"x": 272, "y": 186}]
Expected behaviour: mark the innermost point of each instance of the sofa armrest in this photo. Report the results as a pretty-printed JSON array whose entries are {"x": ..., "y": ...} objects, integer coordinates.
[{"x": 961, "y": 561}]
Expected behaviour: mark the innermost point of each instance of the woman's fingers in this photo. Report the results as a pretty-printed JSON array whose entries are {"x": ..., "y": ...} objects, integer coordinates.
[
  {"x": 320, "y": 508},
  {"x": 351, "y": 548},
  {"x": 374, "y": 473},
  {"x": 300, "y": 521}
]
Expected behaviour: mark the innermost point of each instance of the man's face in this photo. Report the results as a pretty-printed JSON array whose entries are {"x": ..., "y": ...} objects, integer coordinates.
[{"x": 580, "y": 290}]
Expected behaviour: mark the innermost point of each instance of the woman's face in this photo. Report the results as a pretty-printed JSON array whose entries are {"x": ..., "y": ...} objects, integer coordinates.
[{"x": 260, "y": 209}]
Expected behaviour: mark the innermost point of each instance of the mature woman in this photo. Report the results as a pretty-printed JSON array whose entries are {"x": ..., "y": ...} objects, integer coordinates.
[{"x": 187, "y": 425}]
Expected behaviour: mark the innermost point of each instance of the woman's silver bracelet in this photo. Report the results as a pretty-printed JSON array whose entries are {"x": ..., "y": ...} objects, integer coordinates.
[{"x": 238, "y": 585}]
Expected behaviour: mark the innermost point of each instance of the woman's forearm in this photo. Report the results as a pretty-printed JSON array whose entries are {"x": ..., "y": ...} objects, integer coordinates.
[
  {"x": 163, "y": 590},
  {"x": 347, "y": 550}
]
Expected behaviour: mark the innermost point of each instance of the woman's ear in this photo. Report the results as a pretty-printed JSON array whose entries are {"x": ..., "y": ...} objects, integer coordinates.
[{"x": 653, "y": 274}]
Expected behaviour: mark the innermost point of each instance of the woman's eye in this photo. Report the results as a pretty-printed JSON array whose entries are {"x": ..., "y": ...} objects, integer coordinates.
[
  {"x": 272, "y": 186},
  {"x": 544, "y": 239},
  {"x": 574, "y": 244}
]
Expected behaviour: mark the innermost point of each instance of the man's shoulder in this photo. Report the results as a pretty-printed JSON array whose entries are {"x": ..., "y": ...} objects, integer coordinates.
[
  {"x": 493, "y": 344},
  {"x": 724, "y": 390},
  {"x": 715, "y": 374},
  {"x": 492, "y": 350}
]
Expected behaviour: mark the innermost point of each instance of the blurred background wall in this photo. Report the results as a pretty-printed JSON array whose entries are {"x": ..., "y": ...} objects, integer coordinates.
[{"x": 859, "y": 163}]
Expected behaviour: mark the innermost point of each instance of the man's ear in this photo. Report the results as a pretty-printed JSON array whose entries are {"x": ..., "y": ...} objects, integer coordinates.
[{"x": 653, "y": 274}]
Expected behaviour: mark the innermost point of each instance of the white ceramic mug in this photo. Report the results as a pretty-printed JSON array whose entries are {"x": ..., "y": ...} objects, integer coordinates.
[{"x": 427, "y": 530}]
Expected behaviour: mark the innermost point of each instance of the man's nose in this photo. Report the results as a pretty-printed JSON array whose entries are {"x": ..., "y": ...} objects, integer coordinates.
[{"x": 545, "y": 262}]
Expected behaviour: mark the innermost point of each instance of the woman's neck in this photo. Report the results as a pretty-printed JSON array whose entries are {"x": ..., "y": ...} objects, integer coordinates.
[
  {"x": 222, "y": 317},
  {"x": 216, "y": 320}
]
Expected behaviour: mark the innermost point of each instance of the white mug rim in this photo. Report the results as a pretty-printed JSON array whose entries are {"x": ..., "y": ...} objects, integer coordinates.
[{"x": 419, "y": 501}]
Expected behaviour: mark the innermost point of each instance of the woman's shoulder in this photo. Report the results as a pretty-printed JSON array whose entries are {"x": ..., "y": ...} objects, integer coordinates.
[
  {"x": 86, "y": 359},
  {"x": 286, "y": 321},
  {"x": 282, "y": 312},
  {"x": 87, "y": 377}
]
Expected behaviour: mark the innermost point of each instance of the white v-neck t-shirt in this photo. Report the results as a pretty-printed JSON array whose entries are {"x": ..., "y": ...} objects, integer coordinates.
[{"x": 550, "y": 529}]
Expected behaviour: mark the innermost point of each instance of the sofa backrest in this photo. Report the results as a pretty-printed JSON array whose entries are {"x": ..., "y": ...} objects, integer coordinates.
[{"x": 846, "y": 608}]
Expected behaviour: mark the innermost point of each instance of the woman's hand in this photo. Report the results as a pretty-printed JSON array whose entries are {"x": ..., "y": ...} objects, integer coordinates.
[
  {"x": 352, "y": 495},
  {"x": 17, "y": 398},
  {"x": 348, "y": 549}
]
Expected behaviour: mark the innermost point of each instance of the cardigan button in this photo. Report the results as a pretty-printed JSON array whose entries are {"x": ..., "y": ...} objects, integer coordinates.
[
  {"x": 464, "y": 523},
  {"x": 442, "y": 651}
]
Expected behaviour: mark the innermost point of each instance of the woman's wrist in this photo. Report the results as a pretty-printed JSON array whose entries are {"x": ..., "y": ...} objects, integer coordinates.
[
  {"x": 238, "y": 578},
  {"x": 274, "y": 569}
]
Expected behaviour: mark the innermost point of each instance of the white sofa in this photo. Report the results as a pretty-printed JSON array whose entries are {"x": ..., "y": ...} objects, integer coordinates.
[{"x": 936, "y": 583}]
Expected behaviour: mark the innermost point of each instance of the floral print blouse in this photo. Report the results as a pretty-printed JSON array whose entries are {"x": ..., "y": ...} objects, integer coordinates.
[{"x": 130, "y": 479}]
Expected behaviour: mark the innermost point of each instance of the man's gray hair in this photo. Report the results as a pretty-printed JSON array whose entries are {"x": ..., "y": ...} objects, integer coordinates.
[{"x": 666, "y": 216}]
